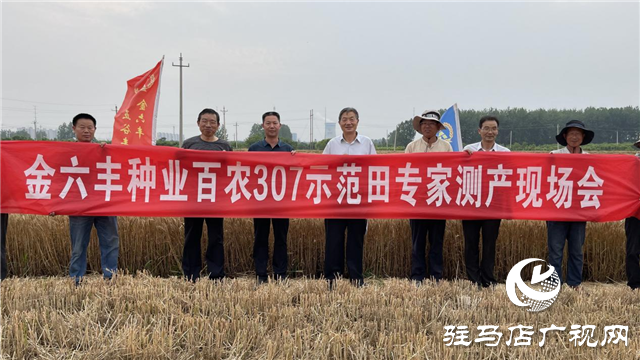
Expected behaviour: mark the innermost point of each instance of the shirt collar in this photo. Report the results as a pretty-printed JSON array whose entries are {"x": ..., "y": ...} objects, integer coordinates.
[
  {"x": 480, "y": 148},
  {"x": 264, "y": 143},
  {"x": 432, "y": 145},
  {"x": 357, "y": 139}
]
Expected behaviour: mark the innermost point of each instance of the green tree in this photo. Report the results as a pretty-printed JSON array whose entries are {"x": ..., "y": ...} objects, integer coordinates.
[
  {"x": 6, "y": 134},
  {"x": 405, "y": 132},
  {"x": 285, "y": 132},
  {"x": 21, "y": 135},
  {"x": 222, "y": 133},
  {"x": 164, "y": 142},
  {"x": 256, "y": 129},
  {"x": 41, "y": 135},
  {"x": 256, "y": 134},
  {"x": 320, "y": 145},
  {"x": 65, "y": 132}
]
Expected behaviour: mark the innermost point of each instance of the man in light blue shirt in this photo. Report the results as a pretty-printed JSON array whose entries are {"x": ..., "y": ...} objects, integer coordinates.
[{"x": 349, "y": 143}]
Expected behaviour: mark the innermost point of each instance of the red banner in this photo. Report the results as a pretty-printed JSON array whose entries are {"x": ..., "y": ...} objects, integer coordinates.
[
  {"x": 135, "y": 122},
  {"x": 85, "y": 179}
]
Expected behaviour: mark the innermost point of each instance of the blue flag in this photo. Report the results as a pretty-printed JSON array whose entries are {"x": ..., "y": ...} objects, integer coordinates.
[{"x": 451, "y": 132}]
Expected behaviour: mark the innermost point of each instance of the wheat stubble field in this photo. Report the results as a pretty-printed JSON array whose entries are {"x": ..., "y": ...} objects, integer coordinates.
[{"x": 149, "y": 312}]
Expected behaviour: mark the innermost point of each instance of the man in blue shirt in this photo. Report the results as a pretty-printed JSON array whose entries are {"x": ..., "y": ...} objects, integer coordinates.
[
  {"x": 84, "y": 127},
  {"x": 261, "y": 227}
]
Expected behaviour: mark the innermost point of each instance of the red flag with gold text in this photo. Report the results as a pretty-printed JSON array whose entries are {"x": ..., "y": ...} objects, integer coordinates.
[{"x": 135, "y": 122}]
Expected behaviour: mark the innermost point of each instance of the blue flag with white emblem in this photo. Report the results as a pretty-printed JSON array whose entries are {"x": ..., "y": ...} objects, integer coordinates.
[{"x": 451, "y": 132}]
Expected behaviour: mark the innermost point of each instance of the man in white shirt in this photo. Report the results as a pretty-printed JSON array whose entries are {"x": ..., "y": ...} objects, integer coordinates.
[
  {"x": 428, "y": 124},
  {"x": 480, "y": 272},
  {"x": 573, "y": 136},
  {"x": 348, "y": 143}
]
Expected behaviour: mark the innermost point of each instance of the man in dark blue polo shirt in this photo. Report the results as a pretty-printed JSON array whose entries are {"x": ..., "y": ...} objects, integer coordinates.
[{"x": 271, "y": 125}]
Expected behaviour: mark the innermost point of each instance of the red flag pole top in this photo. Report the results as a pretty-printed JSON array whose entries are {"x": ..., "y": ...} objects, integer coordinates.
[{"x": 135, "y": 122}]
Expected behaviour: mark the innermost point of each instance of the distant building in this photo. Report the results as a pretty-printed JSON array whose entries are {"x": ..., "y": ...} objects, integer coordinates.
[
  {"x": 49, "y": 133},
  {"x": 167, "y": 136},
  {"x": 329, "y": 130},
  {"x": 52, "y": 134},
  {"x": 294, "y": 136}
]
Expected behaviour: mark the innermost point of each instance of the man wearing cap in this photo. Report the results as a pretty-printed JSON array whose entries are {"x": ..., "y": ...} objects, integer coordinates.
[
  {"x": 632, "y": 230},
  {"x": 572, "y": 136},
  {"x": 481, "y": 272},
  {"x": 350, "y": 142},
  {"x": 262, "y": 227},
  {"x": 428, "y": 124}
]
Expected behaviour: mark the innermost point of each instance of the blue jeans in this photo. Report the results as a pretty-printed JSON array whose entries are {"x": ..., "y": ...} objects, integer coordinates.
[
  {"x": 574, "y": 233},
  {"x": 80, "y": 229}
]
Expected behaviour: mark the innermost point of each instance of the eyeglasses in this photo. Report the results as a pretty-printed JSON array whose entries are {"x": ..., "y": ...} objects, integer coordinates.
[{"x": 487, "y": 129}]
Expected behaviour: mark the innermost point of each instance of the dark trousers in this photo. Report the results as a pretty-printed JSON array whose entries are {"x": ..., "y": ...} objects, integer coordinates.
[
  {"x": 574, "y": 232},
  {"x": 261, "y": 229},
  {"x": 4, "y": 220},
  {"x": 334, "y": 247},
  {"x": 419, "y": 230},
  {"x": 632, "y": 230},
  {"x": 480, "y": 271},
  {"x": 191, "y": 256}
]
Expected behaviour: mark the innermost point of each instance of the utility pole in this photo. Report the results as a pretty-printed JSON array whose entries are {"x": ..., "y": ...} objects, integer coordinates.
[
  {"x": 325, "y": 122},
  {"x": 180, "y": 66},
  {"x": 510, "y": 137},
  {"x": 387, "y": 138},
  {"x": 616, "y": 137},
  {"x": 116, "y": 109},
  {"x": 224, "y": 117},
  {"x": 35, "y": 123},
  {"x": 310, "y": 128},
  {"x": 236, "y": 135},
  {"x": 395, "y": 137}
]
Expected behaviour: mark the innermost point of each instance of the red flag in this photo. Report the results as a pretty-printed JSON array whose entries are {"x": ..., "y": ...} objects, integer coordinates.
[{"x": 135, "y": 122}]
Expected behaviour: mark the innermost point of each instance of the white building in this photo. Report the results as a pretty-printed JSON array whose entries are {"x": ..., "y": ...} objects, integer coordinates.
[{"x": 329, "y": 130}]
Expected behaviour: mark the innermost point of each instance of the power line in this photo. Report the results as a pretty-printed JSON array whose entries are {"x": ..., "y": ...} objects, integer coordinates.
[{"x": 48, "y": 103}]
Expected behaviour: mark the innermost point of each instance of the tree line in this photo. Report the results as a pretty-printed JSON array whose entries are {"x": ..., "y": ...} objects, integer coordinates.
[
  {"x": 518, "y": 126},
  {"x": 537, "y": 127}
]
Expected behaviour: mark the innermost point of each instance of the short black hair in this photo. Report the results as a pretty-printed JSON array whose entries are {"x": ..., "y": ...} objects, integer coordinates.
[
  {"x": 270, "y": 113},
  {"x": 209, "y": 111},
  {"x": 346, "y": 110},
  {"x": 83, "y": 116},
  {"x": 488, "y": 118}
]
